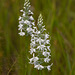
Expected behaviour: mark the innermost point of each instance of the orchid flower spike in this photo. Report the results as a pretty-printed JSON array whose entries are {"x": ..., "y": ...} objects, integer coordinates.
[
  {"x": 26, "y": 21},
  {"x": 40, "y": 46}
]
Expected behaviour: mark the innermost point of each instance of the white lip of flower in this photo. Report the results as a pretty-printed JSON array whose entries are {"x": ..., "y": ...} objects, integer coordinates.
[
  {"x": 21, "y": 33},
  {"x": 43, "y": 26},
  {"x": 39, "y": 67},
  {"x": 24, "y": 14},
  {"x": 20, "y": 18},
  {"x": 27, "y": 22},
  {"x": 46, "y": 36},
  {"x": 46, "y": 59},
  {"x": 47, "y": 41},
  {"x": 44, "y": 29},
  {"x": 33, "y": 23},
  {"x": 21, "y": 11},
  {"x": 31, "y": 18},
  {"x": 49, "y": 67},
  {"x": 32, "y": 50},
  {"x": 24, "y": 7},
  {"x": 41, "y": 47},
  {"x": 34, "y": 59},
  {"x": 20, "y": 26},
  {"x": 45, "y": 49},
  {"x": 40, "y": 40},
  {"x": 46, "y": 53},
  {"x": 48, "y": 47}
]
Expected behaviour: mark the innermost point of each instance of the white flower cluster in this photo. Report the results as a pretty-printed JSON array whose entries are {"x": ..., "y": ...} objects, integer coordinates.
[
  {"x": 40, "y": 47},
  {"x": 40, "y": 42},
  {"x": 26, "y": 21}
]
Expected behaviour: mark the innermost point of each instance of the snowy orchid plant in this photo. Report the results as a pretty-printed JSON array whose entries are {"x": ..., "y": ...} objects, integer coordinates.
[
  {"x": 40, "y": 41},
  {"x": 40, "y": 47}
]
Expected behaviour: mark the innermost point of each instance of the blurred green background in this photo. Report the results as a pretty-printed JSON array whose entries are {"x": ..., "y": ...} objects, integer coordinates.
[{"x": 59, "y": 18}]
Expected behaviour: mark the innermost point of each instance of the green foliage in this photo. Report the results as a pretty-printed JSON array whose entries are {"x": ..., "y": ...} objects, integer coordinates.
[{"x": 59, "y": 18}]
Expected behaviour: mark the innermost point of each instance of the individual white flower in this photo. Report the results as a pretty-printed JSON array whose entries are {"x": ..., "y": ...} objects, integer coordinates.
[
  {"x": 32, "y": 50},
  {"x": 20, "y": 27},
  {"x": 43, "y": 27},
  {"x": 46, "y": 53},
  {"x": 22, "y": 33},
  {"x": 30, "y": 12},
  {"x": 20, "y": 18},
  {"x": 22, "y": 21},
  {"x": 27, "y": 22},
  {"x": 32, "y": 35},
  {"x": 39, "y": 67},
  {"x": 45, "y": 49},
  {"x": 31, "y": 18},
  {"x": 48, "y": 47},
  {"x": 33, "y": 23},
  {"x": 47, "y": 41},
  {"x": 34, "y": 27},
  {"x": 34, "y": 59},
  {"x": 32, "y": 44},
  {"x": 46, "y": 36},
  {"x": 33, "y": 38},
  {"x": 38, "y": 32},
  {"x": 46, "y": 59},
  {"x": 39, "y": 40},
  {"x": 41, "y": 47},
  {"x": 24, "y": 14},
  {"x": 21, "y": 11},
  {"x": 49, "y": 67},
  {"x": 29, "y": 29}
]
